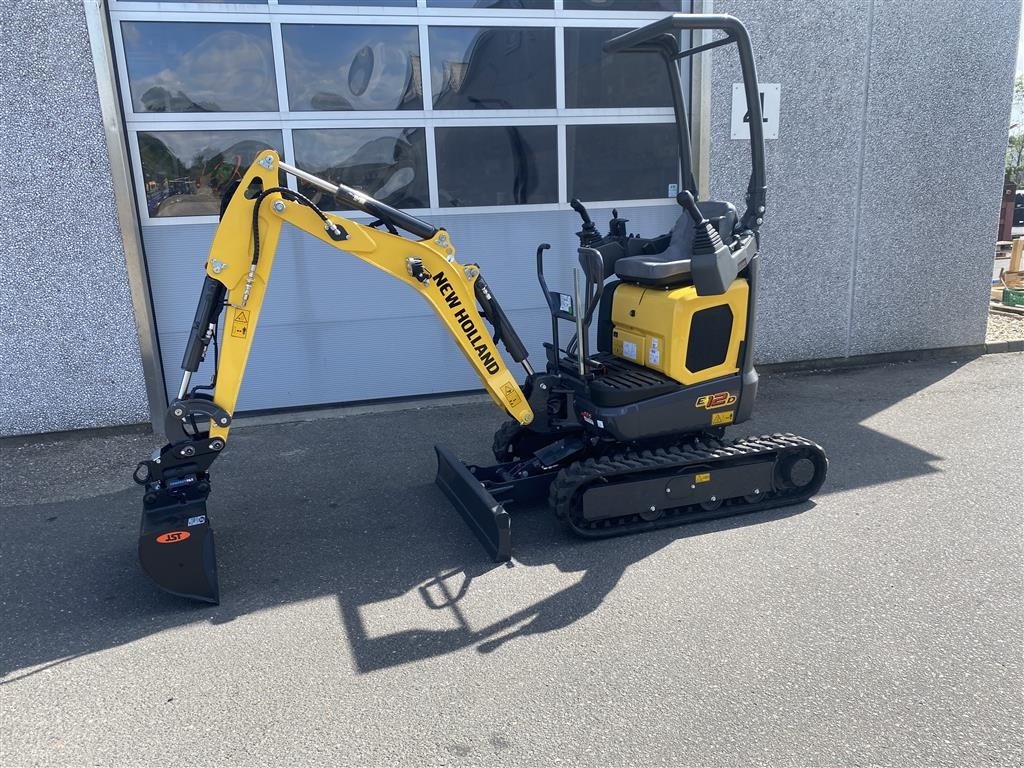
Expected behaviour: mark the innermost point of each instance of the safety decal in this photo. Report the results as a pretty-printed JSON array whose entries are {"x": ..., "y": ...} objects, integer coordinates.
[
  {"x": 197, "y": 520},
  {"x": 629, "y": 350},
  {"x": 173, "y": 537},
  {"x": 702, "y": 477},
  {"x": 723, "y": 417},
  {"x": 511, "y": 396},
  {"x": 654, "y": 353},
  {"x": 717, "y": 400},
  {"x": 240, "y": 324}
]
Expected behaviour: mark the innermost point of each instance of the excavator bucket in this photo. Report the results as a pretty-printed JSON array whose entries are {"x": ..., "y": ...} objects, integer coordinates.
[{"x": 176, "y": 548}]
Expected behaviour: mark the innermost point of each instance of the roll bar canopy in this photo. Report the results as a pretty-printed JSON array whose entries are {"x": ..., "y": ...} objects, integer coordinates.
[{"x": 658, "y": 37}]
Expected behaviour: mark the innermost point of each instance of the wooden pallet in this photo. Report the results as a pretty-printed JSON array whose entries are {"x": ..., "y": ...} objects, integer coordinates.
[{"x": 998, "y": 306}]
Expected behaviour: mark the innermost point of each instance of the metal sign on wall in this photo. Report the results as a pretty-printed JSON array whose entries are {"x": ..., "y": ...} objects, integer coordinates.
[{"x": 770, "y": 97}]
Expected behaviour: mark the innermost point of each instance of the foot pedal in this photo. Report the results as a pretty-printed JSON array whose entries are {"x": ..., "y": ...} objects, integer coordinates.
[
  {"x": 176, "y": 547},
  {"x": 486, "y": 517}
]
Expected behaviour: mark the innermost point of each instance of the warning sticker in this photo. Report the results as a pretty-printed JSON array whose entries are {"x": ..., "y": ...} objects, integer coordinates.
[
  {"x": 654, "y": 353},
  {"x": 724, "y": 417},
  {"x": 629, "y": 350},
  {"x": 511, "y": 396},
  {"x": 240, "y": 324}
]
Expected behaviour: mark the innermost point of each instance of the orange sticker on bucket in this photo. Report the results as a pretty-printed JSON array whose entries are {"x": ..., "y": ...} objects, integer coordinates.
[{"x": 173, "y": 537}]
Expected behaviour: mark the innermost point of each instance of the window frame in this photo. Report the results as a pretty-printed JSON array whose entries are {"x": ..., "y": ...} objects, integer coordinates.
[{"x": 421, "y": 17}]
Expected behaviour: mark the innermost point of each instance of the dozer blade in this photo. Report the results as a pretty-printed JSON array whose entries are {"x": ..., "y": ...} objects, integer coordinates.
[
  {"x": 485, "y": 516},
  {"x": 176, "y": 550}
]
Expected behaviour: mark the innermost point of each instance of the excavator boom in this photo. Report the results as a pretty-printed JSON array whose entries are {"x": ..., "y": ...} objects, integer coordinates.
[{"x": 175, "y": 541}]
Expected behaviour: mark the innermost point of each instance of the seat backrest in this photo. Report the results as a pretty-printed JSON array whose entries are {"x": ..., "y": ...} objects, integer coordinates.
[{"x": 722, "y": 216}]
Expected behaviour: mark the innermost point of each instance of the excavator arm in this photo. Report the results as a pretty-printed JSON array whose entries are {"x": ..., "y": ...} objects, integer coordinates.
[{"x": 176, "y": 541}]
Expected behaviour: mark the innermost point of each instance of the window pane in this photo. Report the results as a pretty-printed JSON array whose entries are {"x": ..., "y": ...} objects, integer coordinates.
[
  {"x": 622, "y": 162},
  {"x": 335, "y": 67},
  {"x": 384, "y": 3},
  {"x": 199, "y": 67},
  {"x": 185, "y": 172},
  {"x": 504, "y": 4},
  {"x": 672, "y": 6},
  {"x": 497, "y": 165},
  {"x": 597, "y": 79},
  {"x": 389, "y": 164},
  {"x": 492, "y": 67}
]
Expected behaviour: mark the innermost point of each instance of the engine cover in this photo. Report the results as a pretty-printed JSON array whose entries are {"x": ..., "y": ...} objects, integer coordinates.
[{"x": 687, "y": 337}]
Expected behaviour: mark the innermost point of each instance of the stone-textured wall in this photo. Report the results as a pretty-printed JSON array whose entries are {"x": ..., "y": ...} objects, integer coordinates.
[
  {"x": 884, "y": 182},
  {"x": 69, "y": 353}
]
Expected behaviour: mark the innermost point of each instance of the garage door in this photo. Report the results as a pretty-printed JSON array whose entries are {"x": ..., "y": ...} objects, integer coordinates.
[{"x": 484, "y": 117}]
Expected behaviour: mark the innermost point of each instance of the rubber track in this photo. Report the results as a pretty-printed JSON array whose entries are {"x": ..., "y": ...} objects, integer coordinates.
[{"x": 670, "y": 460}]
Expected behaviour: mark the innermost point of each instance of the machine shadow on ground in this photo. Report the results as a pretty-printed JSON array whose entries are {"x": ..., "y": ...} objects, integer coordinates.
[{"x": 346, "y": 508}]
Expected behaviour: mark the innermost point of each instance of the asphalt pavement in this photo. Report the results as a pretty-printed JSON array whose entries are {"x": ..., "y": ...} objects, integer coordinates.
[{"x": 361, "y": 624}]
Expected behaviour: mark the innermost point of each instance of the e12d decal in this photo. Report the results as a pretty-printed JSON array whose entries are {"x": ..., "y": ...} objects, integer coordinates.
[{"x": 717, "y": 400}]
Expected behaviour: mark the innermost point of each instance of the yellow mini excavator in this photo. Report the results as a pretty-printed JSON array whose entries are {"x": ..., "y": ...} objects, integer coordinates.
[{"x": 624, "y": 438}]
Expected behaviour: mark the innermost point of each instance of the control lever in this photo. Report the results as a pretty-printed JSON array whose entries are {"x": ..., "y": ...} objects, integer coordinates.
[
  {"x": 712, "y": 264},
  {"x": 589, "y": 233},
  {"x": 617, "y": 226}
]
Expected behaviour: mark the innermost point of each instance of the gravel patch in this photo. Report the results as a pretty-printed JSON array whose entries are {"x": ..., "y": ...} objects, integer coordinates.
[{"x": 1002, "y": 326}]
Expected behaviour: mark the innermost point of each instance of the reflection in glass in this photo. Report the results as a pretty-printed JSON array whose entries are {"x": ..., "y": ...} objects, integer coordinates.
[
  {"x": 672, "y": 6},
  {"x": 622, "y": 162},
  {"x": 199, "y": 67},
  {"x": 339, "y": 67},
  {"x": 492, "y": 67},
  {"x": 350, "y": 3},
  {"x": 594, "y": 79},
  {"x": 497, "y": 165},
  {"x": 389, "y": 164},
  {"x": 516, "y": 5},
  {"x": 185, "y": 172}
]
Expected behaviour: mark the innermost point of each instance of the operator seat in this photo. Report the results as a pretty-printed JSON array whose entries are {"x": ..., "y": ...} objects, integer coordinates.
[{"x": 672, "y": 266}]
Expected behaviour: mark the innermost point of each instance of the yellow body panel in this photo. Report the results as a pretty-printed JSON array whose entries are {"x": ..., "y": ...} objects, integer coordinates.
[
  {"x": 450, "y": 290},
  {"x": 652, "y": 327}
]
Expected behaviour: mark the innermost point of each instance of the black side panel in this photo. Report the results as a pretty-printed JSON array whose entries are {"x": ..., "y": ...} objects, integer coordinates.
[
  {"x": 610, "y": 253},
  {"x": 604, "y": 317},
  {"x": 673, "y": 413},
  {"x": 708, "y": 344},
  {"x": 750, "y": 378}
]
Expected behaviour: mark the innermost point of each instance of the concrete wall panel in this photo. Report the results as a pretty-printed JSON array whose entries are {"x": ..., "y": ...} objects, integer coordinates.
[
  {"x": 69, "y": 353},
  {"x": 884, "y": 181},
  {"x": 934, "y": 147},
  {"x": 817, "y": 52}
]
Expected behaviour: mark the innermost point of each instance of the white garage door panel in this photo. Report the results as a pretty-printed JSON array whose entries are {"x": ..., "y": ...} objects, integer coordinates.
[
  {"x": 357, "y": 360},
  {"x": 327, "y": 315},
  {"x": 484, "y": 117}
]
